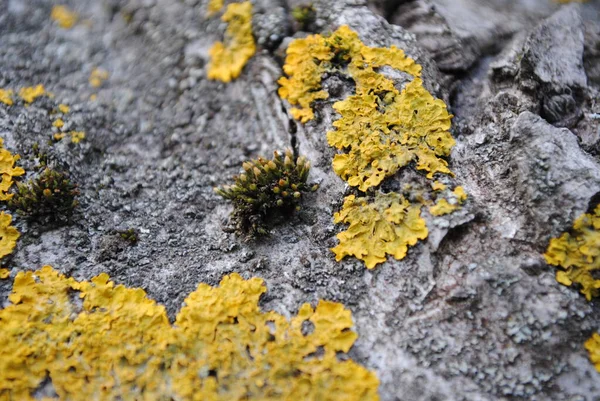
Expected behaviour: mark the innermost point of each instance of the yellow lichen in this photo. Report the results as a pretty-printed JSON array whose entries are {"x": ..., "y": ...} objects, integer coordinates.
[
  {"x": 214, "y": 6},
  {"x": 8, "y": 171},
  {"x": 593, "y": 347},
  {"x": 8, "y": 236},
  {"x": 228, "y": 58},
  {"x": 118, "y": 344},
  {"x": 60, "y": 136},
  {"x": 438, "y": 186},
  {"x": 386, "y": 226},
  {"x": 460, "y": 194},
  {"x": 64, "y": 16},
  {"x": 97, "y": 77},
  {"x": 4, "y": 274},
  {"x": 77, "y": 136},
  {"x": 6, "y": 97},
  {"x": 443, "y": 207},
  {"x": 30, "y": 93},
  {"x": 577, "y": 254},
  {"x": 58, "y": 123},
  {"x": 63, "y": 108},
  {"x": 381, "y": 129}
]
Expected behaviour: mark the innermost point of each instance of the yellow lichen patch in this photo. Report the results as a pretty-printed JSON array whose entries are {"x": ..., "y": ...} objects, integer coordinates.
[
  {"x": 58, "y": 123},
  {"x": 577, "y": 254},
  {"x": 381, "y": 129},
  {"x": 8, "y": 236},
  {"x": 214, "y": 6},
  {"x": 6, "y": 97},
  {"x": 593, "y": 347},
  {"x": 118, "y": 344},
  {"x": 460, "y": 194},
  {"x": 386, "y": 226},
  {"x": 77, "y": 136},
  {"x": 63, "y": 108},
  {"x": 30, "y": 93},
  {"x": 382, "y": 138},
  {"x": 438, "y": 186},
  {"x": 8, "y": 171},
  {"x": 64, "y": 16},
  {"x": 97, "y": 77},
  {"x": 58, "y": 137},
  {"x": 4, "y": 274},
  {"x": 228, "y": 58},
  {"x": 443, "y": 207}
]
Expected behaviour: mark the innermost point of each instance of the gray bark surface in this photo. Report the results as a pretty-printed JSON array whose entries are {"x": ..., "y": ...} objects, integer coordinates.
[{"x": 472, "y": 313}]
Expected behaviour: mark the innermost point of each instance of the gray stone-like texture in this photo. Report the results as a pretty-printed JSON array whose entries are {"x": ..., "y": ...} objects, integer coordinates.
[{"x": 472, "y": 313}]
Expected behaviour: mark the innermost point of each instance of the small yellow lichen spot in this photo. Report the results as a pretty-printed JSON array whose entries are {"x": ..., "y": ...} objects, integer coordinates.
[
  {"x": 58, "y": 137},
  {"x": 8, "y": 236},
  {"x": 577, "y": 253},
  {"x": 97, "y": 77},
  {"x": 77, "y": 136},
  {"x": 438, "y": 186},
  {"x": 6, "y": 97},
  {"x": 4, "y": 274},
  {"x": 593, "y": 347},
  {"x": 58, "y": 123},
  {"x": 460, "y": 194},
  {"x": 30, "y": 93},
  {"x": 214, "y": 6},
  {"x": 64, "y": 16},
  {"x": 63, "y": 108},
  {"x": 442, "y": 207},
  {"x": 386, "y": 226},
  {"x": 93, "y": 97},
  {"x": 118, "y": 344},
  {"x": 228, "y": 58}
]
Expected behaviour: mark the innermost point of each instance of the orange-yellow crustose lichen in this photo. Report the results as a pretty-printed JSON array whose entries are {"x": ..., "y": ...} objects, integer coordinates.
[
  {"x": 443, "y": 207},
  {"x": 577, "y": 254},
  {"x": 6, "y": 97},
  {"x": 118, "y": 344},
  {"x": 4, "y": 273},
  {"x": 592, "y": 345},
  {"x": 382, "y": 129},
  {"x": 8, "y": 235},
  {"x": 30, "y": 93},
  {"x": 8, "y": 171},
  {"x": 386, "y": 226},
  {"x": 214, "y": 6},
  {"x": 64, "y": 16},
  {"x": 228, "y": 58}
]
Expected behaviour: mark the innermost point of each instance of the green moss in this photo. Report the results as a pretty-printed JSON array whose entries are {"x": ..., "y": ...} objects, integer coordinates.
[
  {"x": 266, "y": 188},
  {"x": 130, "y": 235},
  {"x": 304, "y": 15},
  {"x": 48, "y": 197}
]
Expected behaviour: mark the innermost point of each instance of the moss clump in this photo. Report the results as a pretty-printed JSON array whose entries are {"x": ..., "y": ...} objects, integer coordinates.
[
  {"x": 304, "y": 15},
  {"x": 265, "y": 187},
  {"x": 130, "y": 235},
  {"x": 49, "y": 197}
]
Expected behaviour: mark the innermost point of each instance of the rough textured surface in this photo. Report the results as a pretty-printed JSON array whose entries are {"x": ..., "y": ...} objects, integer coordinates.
[{"x": 472, "y": 313}]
